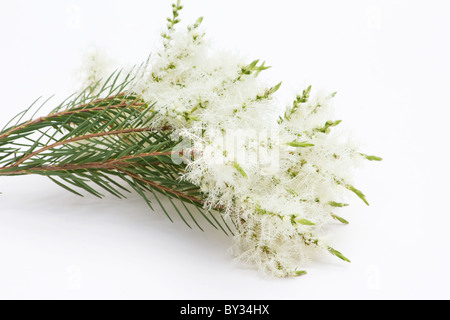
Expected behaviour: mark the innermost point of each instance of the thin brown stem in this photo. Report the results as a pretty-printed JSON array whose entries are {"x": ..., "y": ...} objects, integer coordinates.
[
  {"x": 69, "y": 112},
  {"x": 162, "y": 188},
  {"x": 85, "y": 137},
  {"x": 106, "y": 165},
  {"x": 101, "y": 100},
  {"x": 120, "y": 164}
]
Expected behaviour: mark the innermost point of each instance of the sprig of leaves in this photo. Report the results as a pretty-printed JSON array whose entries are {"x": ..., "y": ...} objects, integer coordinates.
[{"x": 93, "y": 144}]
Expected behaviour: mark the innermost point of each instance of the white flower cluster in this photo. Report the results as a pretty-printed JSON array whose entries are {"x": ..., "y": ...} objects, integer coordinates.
[{"x": 278, "y": 178}]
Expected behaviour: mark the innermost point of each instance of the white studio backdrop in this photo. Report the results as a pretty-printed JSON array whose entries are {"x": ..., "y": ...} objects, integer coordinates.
[{"x": 389, "y": 63}]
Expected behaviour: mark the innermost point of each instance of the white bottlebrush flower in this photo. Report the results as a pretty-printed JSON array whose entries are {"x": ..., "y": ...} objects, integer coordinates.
[
  {"x": 278, "y": 212},
  {"x": 96, "y": 68},
  {"x": 279, "y": 180}
]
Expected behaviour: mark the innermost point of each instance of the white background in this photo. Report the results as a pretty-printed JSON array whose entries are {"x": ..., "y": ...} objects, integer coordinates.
[{"x": 389, "y": 63}]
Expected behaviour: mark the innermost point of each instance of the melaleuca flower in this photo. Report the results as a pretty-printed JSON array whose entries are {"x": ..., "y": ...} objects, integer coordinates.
[{"x": 198, "y": 126}]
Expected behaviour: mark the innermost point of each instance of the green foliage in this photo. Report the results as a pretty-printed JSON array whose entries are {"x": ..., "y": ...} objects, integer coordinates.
[
  {"x": 300, "y": 99},
  {"x": 337, "y": 204},
  {"x": 104, "y": 142},
  {"x": 240, "y": 170},
  {"x": 338, "y": 254},
  {"x": 101, "y": 140},
  {"x": 358, "y": 193},
  {"x": 340, "y": 219},
  {"x": 326, "y": 128},
  {"x": 269, "y": 92},
  {"x": 297, "y": 144},
  {"x": 253, "y": 68},
  {"x": 305, "y": 222},
  {"x": 371, "y": 158},
  {"x": 299, "y": 273},
  {"x": 175, "y": 11}
]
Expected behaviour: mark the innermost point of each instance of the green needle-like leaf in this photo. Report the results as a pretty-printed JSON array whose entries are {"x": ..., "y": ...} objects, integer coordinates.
[
  {"x": 340, "y": 219},
  {"x": 358, "y": 193},
  {"x": 305, "y": 222},
  {"x": 371, "y": 158},
  {"x": 338, "y": 254},
  {"x": 240, "y": 170},
  {"x": 300, "y": 273},
  {"x": 337, "y": 204},
  {"x": 297, "y": 144}
]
